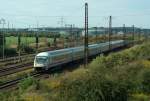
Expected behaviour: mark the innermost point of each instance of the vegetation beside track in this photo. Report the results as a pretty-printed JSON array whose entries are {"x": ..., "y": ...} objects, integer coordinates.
[
  {"x": 28, "y": 42},
  {"x": 120, "y": 76},
  {"x": 15, "y": 75}
]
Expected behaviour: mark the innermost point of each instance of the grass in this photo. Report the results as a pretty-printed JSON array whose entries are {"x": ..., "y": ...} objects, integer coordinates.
[
  {"x": 140, "y": 97},
  {"x": 15, "y": 75},
  {"x": 13, "y": 41}
]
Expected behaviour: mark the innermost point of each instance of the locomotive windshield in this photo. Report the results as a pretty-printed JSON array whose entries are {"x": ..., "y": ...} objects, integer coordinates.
[{"x": 41, "y": 59}]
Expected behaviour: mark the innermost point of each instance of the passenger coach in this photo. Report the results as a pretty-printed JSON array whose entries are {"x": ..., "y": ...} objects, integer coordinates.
[{"x": 46, "y": 60}]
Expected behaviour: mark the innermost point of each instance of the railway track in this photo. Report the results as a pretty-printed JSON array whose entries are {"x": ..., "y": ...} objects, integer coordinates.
[
  {"x": 16, "y": 58},
  {"x": 13, "y": 83},
  {"x": 14, "y": 69}
]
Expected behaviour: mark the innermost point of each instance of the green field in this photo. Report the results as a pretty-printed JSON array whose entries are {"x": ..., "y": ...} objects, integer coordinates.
[{"x": 10, "y": 41}]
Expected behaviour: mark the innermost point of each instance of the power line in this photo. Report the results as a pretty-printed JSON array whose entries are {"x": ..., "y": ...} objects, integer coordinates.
[{"x": 61, "y": 22}]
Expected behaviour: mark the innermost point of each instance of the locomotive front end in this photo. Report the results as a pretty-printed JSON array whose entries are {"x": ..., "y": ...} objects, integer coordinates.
[{"x": 41, "y": 62}]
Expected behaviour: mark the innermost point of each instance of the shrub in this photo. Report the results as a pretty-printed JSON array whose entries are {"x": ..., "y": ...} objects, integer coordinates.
[
  {"x": 8, "y": 51},
  {"x": 27, "y": 49},
  {"x": 139, "y": 97},
  {"x": 10, "y": 96},
  {"x": 92, "y": 86},
  {"x": 109, "y": 78},
  {"x": 48, "y": 44},
  {"x": 146, "y": 80},
  {"x": 27, "y": 82}
]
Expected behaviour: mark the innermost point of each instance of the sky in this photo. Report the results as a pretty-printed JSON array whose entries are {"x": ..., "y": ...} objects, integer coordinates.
[{"x": 51, "y": 13}]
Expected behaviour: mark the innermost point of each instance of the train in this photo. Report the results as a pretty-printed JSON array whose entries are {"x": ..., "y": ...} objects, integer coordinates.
[{"x": 49, "y": 59}]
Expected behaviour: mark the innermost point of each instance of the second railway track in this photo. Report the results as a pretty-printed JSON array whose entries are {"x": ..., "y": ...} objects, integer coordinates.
[
  {"x": 13, "y": 83},
  {"x": 11, "y": 70}
]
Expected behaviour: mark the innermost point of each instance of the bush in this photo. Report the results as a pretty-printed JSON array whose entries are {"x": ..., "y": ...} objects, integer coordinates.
[
  {"x": 140, "y": 97},
  {"x": 27, "y": 82},
  {"x": 8, "y": 51},
  {"x": 48, "y": 44},
  {"x": 109, "y": 78},
  {"x": 27, "y": 49},
  {"x": 10, "y": 96},
  {"x": 146, "y": 80},
  {"x": 93, "y": 88}
]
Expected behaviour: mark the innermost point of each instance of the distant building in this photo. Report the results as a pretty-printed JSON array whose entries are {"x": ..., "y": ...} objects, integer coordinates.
[{"x": 93, "y": 31}]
